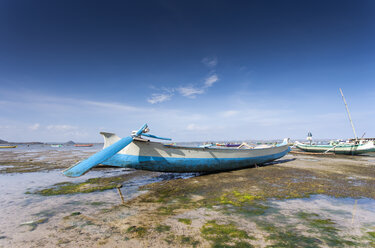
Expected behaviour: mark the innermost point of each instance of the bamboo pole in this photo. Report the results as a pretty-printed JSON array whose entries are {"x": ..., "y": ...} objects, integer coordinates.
[{"x": 350, "y": 118}]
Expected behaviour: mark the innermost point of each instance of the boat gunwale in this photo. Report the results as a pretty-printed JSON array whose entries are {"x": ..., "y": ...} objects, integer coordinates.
[
  {"x": 327, "y": 146},
  {"x": 218, "y": 149}
]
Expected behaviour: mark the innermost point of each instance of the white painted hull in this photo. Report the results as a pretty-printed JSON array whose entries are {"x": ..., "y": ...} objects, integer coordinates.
[{"x": 147, "y": 155}]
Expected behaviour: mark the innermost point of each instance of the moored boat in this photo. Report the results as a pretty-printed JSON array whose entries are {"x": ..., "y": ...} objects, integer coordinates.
[
  {"x": 354, "y": 148},
  {"x": 56, "y": 145},
  {"x": 232, "y": 145},
  {"x": 7, "y": 146},
  {"x": 83, "y": 145},
  {"x": 140, "y": 153},
  {"x": 147, "y": 155}
]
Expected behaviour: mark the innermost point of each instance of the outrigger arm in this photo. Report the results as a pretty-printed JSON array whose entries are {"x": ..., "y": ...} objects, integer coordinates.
[{"x": 85, "y": 165}]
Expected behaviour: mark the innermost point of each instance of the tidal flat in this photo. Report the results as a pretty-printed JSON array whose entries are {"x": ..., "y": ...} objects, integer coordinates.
[{"x": 296, "y": 201}]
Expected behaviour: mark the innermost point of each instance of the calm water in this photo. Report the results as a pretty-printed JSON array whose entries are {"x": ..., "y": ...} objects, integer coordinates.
[{"x": 340, "y": 210}]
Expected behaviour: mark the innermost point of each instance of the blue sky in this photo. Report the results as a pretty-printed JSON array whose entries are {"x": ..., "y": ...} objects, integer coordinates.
[{"x": 193, "y": 70}]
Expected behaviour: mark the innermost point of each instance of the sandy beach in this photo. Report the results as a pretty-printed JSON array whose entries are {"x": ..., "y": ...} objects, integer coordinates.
[{"x": 297, "y": 201}]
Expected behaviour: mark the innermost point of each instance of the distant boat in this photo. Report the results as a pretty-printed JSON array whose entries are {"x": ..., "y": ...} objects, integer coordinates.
[
  {"x": 354, "y": 146},
  {"x": 232, "y": 145},
  {"x": 83, "y": 145},
  {"x": 227, "y": 145},
  {"x": 1, "y": 146},
  {"x": 56, "y": 145},
  {"x": 140, "y": 153},
  {"x": 340, "y": 148}
]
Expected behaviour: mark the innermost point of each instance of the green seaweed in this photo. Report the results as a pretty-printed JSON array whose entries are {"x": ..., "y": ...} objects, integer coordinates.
[
  {"x": 241, "y": 244},
  {"x": 185, "y": 221},
  {"x": 63, "y": 241},
  {"x": 371, "y": 238},
  {"x": 223, "y": 234},
  {"x": 138, "y": 231},
  {"x": 88, "y": 186},
  {"x": 34, "y": 224},
  {"x": 163, "y": 228},
  {"x": 72, "y": 214},
  {"x": 97, "y": 203},
  {"x": 237, "y": 199},
  {"x": 88, "y": 223},
  {"x": 326, "y": 229},
  {"x": 167, "y": 210},
  {"x": 371, "y": 234},
  {"x": 187, "y": 240},
  {"x": 170, "y": 239},
  {"x": 286, "y": 236}
]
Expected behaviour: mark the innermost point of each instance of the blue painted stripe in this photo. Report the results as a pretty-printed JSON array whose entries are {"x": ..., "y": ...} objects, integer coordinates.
[
  {"x": 85, "y": 165},
  {"x": 188, "y": 164}
]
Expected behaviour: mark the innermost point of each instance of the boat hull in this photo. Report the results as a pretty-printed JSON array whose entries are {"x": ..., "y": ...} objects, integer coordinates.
[
  {"x": 343, "y": 149},
  {"x": 153, "y": 156},
  {"x": 83, "y": 145},
  {"x": 8, "y": 146}
]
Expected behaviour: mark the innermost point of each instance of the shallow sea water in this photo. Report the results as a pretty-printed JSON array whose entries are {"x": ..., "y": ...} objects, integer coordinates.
[
  {"x": 18, "y": 208},
  {"x": 353, "y": 215}
]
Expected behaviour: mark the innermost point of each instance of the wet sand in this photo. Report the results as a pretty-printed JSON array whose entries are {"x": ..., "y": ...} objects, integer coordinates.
[{"x": 297, "y": 201}]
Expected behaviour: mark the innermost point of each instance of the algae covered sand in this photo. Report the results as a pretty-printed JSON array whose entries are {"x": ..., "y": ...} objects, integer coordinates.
[
  {"x": 298, "y": 201},
  {"x": 90, "y": 185},
  {"x": 41, "y": 158}
]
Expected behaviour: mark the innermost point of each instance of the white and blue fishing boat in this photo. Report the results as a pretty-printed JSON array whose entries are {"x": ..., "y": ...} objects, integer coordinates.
[
  {"x": 139, "y": 153},
  {"x": 354, "y": 148}
]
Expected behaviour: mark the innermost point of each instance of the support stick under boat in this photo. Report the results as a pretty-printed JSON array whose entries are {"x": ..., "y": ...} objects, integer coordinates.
[{"x": 119, "y": 186}]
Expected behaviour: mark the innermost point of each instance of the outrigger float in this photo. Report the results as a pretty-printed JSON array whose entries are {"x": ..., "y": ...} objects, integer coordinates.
[{"x": 140, "y": 153}]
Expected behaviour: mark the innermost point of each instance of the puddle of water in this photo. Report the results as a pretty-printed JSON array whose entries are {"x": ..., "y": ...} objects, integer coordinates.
[
  {"x": 6, "y": 166},
  {"x": 340, "y": 210},
  {"x": 355, "y": 181}
]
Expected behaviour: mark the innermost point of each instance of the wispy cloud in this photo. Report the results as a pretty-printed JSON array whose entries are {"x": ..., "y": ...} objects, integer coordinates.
[
  {"x": 190, "y": 91},
  {"x": 254, "y": 117},
  {"x": 111, "y": 105},
  {"x": 210, "y": 62},
  {"x": 195, "y": 127},
  {"x": 34, "y": 126},
  {"x": 229, "y": 113},
  {"x": 159, "y": 98},
  {"x": 210, "y": 80},
  {"x": 61, "y": 127}
]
